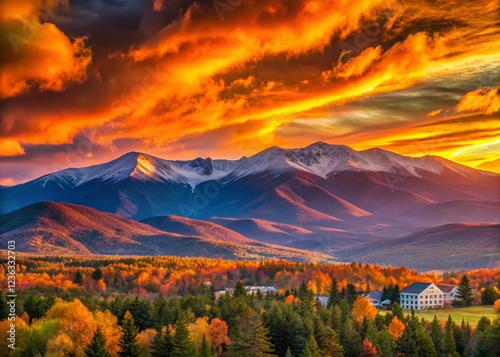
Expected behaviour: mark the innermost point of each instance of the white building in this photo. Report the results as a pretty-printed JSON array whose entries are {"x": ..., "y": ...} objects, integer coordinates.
[
  {"x": 449, "y": 292},
  {"x": 420, "y": 296},
  {"x": 251, "y": 290},
  {"x": 375, "y": 298},
  {"x": 323, "y": 300},
  {"x": 264, "y": 290}
]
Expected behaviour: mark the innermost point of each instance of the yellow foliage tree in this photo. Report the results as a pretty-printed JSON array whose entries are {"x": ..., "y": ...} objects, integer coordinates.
[
  {"x": 76, "y": 321},
  {"x": 396, "y": 328},
  {"x": 108, "y": 323},
  {"x": 145, "y": 339},
  {"x": 362, "y": 308},
  {"x": 59, "y": 346},
  {"x": 198, "y": 330}
]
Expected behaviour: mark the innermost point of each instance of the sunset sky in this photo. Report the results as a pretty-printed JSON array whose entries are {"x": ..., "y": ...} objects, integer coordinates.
[{"x": 83, "y": 82}]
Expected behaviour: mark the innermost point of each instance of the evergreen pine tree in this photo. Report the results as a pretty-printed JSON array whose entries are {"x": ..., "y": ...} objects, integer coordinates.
[
  {"x": 483, "y": 324},
  {"x": 489, "y": 295},
  {"x": 141, "y": 310},
  {"x": 205, "y": 349},
  {"x": 305, "y": 294},
  {"x": 385, "y": 294},
  {"x": 425, "y": 345},
  {"x": 239, "y": 289},
  {"x": 97, "y": 347},
  {"x": 4, "y": 308},
  {"x": 368, "y": 287},
  {"x": 331, "y": 345},
  {"x": 252, "y": 338},
  {"x": 336, "y": 318},
  {"x": 462, "y": 336},
  {"x": 394, "y": 294},
  {"x": 78, "y": 280},
  {"x": 311, "y": 349},
  {"x": 397, "y": 311},
  {"x": 351, "y": 293},
  {"x": 162, "y": 343},
  {"x": 482, "y": 349},
  {"x": 128, "y": 340},
  {"x": 449, "y": 338},
  {"x": 464, "y": 293},
  {"x": 351, "y": 339},
  {"x": 437, "y": 335},
  {"x": 97, "y": 274},
  {"x": 288, "y": 353},
  {"x": 278, "y": 329},
  {"x": 334, "y": 295},
  {"x": 182, "y": 344},
  {"x": 405, "y": 345}
]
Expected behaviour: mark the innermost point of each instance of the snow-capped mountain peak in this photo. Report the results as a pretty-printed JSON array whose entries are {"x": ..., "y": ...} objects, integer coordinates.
[
  {"x": 320, "y": 159},
  {"x": 324, "y": 159},
  {"x": 143, "y": 167},
  {"x": 133, "y": 164}
]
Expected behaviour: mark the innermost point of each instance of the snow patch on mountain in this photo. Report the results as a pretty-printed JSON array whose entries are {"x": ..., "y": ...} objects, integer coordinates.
[
  {"x": 199, "y": 170},
  {"x": 143, "y": 167},
  {"x": 320, "y": 159}
]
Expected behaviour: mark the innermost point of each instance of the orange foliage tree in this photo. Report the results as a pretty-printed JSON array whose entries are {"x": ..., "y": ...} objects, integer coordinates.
[
  {"x": 496, "y": 306},
  {"x": 396, "y": 328},
  {"x": 367, "y": 349},
  {"x": 362, "y": 308},
  {"x": 218, "y": 334}
]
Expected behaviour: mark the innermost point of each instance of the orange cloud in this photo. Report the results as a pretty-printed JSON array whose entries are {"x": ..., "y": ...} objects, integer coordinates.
[
  {"x": 482, "y": 100},
  {"x": 37, "y": 53},
  {"x": 356, "y": 66},
  {"x": 435, "y": 112},
  {"x": 10, "y": 147},
  {"x": 199, "y": 77},
  {"x": 8, "y": 182},
  {"x": 456, "y": 137}
]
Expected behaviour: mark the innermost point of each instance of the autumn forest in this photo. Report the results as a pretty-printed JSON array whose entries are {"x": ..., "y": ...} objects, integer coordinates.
[{"x": 170, "y": 306}]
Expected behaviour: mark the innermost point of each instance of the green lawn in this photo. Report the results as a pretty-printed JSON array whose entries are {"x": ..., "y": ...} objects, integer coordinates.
[{"x": 471, "y": 314}]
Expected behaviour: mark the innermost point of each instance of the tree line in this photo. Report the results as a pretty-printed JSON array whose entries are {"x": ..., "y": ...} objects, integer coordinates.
[{"x": 291, "y": 323}]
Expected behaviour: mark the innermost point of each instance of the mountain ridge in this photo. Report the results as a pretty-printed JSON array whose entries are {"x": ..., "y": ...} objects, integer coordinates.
[
  {"x": 145, "y": 166},
  {"x": 63, "y": 228},
  {"x": 323, "y": 185}
]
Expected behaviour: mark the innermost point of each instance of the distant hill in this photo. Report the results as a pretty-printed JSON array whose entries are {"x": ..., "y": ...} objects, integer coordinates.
[
  {"x": 195, "y": 227},
  {"x": 62, "y": 228},
  {"x": 455, "y": 211},
  {"x": 447, "y": 247}
]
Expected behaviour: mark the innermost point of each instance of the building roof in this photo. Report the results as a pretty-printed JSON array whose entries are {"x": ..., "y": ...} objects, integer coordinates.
[
  {"x": 375, "y": 295},
  {"x": 446, "y": 288},
  {"x": 415, "y": 288},
  {"x": 323, "y": 299}
]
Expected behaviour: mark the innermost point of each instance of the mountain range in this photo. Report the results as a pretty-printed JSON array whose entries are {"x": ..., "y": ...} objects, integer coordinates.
[{"x": 323, "y": 197}]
